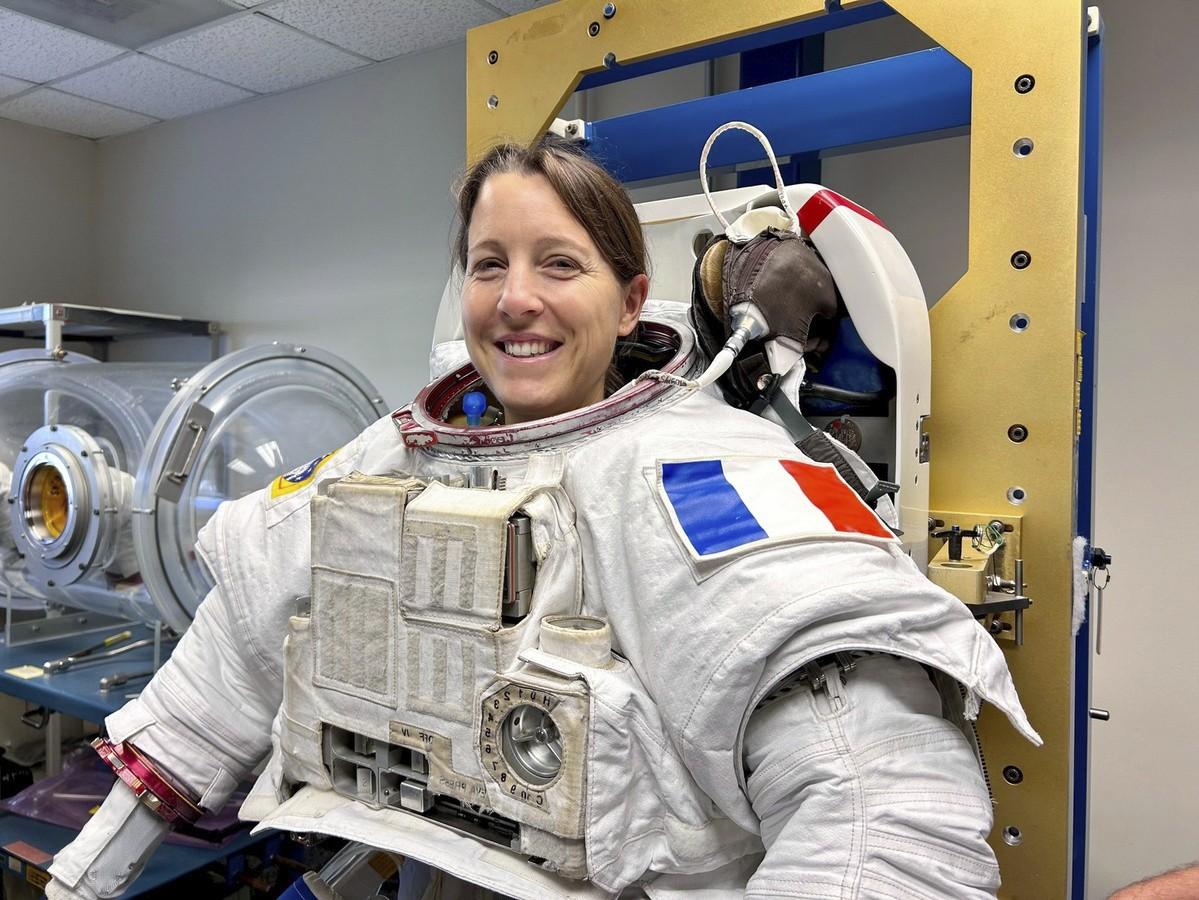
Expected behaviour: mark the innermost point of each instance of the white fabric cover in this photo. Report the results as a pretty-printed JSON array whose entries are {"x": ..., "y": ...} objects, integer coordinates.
[{"x": 110, "y": 851}]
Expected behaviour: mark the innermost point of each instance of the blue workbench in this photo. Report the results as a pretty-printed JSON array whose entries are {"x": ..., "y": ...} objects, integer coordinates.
[
  {"x": 76, "y": 692},
  {"x": 168, "y": 862}
]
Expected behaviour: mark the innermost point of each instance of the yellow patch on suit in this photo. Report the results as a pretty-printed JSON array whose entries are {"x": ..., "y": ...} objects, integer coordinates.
[{"x": 298, "y": 478}]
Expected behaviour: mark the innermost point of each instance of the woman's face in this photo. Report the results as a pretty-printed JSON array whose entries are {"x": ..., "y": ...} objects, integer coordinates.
[{"x": 541, "y": 307}]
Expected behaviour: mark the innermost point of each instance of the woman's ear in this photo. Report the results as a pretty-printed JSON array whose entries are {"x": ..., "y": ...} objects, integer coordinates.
[{"x": 635, "y": 293}]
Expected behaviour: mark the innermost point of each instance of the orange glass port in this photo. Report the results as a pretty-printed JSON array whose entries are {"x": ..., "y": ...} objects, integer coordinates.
[{"x": 49, "y": 493}]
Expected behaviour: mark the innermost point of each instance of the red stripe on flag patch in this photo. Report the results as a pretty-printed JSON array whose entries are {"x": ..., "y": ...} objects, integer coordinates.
[
  {"x": 836, "y": 499},
  {"x": 821, "y": 203}
]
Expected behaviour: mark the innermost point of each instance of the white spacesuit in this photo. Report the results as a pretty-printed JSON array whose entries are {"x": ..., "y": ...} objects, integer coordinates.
[
  {"x": 782, "y": 711},
  {"x": 646, "y": 647}
]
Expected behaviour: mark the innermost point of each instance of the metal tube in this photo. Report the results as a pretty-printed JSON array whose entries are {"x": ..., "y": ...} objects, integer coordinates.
[
  {"x": 1018, "y": 632},
  {"x": 53, "y": 327},
  {"x": 54, "y": 743},
  {"x": 890, "y": 99}
]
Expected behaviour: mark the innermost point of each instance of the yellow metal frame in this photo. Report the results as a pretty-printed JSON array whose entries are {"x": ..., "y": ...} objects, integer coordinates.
[{"x": 1027, "y": 203}]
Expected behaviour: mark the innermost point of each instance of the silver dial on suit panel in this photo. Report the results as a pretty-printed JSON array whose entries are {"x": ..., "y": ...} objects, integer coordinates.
[{"x": 532, "y": 744}]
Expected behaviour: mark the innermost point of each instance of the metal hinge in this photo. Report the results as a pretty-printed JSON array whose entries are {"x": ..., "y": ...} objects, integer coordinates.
[
  {"x": 814, "y": 674},
  {"x": 184, "y": 453}
]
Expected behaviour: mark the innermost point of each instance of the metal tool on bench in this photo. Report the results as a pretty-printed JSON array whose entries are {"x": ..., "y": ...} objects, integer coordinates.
[
  {"x": 54, "y": 666},
  {"x": 108, "y": 682},
  {"x": 61, "y": 665}
]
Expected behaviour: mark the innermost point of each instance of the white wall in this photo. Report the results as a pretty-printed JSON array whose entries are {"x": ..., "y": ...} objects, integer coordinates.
[
  {"x": 47, "y": 216},
  {"x": 1144, "y": 802},
  {"x": 319, "y": 216},
  {"x": 920, "y": 190}
]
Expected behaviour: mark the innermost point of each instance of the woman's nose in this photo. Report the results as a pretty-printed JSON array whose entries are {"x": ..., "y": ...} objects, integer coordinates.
[{"x": 519, "y": 297}]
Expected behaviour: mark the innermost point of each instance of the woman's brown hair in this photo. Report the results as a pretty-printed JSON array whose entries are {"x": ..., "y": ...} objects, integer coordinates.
[{"x": 593, "y": 197}]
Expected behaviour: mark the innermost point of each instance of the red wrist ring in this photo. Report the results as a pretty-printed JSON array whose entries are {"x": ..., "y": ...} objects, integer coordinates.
[{"x": 171, "y": 803}]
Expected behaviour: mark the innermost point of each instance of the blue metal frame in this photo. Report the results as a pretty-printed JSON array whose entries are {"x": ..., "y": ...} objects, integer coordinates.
[
  {"x": 916, "y": 94},
  {"x": 779, "y": 63},
  {"x": 1092, "y": 185},
  {"x": 834, "y": 19}
]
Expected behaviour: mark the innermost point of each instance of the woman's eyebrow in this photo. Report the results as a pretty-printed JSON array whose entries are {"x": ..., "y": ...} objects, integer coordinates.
[
  {"x": 541, "y": 245},
  {"x": 559, "y": 241},
  {"x": 485, "y": 244}
]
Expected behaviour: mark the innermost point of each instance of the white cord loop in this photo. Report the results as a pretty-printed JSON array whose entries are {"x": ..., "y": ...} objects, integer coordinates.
[
  {"x": 750, "y": 324},
  {"x": 778, "y": 176}
]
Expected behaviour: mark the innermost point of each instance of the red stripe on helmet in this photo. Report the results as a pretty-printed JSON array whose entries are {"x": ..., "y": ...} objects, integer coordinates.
[{"x": 823, "y": 202}]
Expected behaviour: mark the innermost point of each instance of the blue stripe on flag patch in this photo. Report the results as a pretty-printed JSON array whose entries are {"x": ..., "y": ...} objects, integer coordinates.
[{"x": 709, "y": 510}]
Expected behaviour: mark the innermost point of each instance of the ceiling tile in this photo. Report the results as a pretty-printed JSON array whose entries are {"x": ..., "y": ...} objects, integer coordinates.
[
  {"x": 37, "y": 51},
  {"x": 152, "y": 87},
  {"x": 512, "y": 7},
  {"x": 62, "y": 112},
  {"x": 256, "y": 53},
  {"x": 126, "y": 23},
  {"x": 10, "y": 86},
  {"x": 382, "y": 29}
]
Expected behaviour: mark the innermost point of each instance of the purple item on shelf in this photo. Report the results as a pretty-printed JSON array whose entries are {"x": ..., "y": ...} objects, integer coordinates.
[{"x": 70, "y": 797}]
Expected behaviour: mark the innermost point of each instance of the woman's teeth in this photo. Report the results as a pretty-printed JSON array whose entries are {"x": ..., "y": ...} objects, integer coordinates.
[{"x": 528, "y": 348}]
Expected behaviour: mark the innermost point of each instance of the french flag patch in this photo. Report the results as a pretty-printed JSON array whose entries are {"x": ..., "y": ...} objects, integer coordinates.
[{"x": 724, "y": 506}]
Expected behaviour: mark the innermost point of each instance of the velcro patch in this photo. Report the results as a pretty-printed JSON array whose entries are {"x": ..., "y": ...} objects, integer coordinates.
[
  {"x": 298, "y": 478},
  {"x": 725, "y": 507}
]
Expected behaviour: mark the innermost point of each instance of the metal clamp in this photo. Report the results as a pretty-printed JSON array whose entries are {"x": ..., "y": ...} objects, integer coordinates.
[
  {"x": 814, "y": 674},
  {"x": 1016, "y": 604},
  {"x": 1099, "y": 560},
  {"x": 36, "y": 717},
  {"x": 171, "y": 803}
]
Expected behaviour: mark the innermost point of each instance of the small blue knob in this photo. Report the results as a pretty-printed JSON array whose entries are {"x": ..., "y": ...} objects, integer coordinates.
[{"x": 474, "y": 404}]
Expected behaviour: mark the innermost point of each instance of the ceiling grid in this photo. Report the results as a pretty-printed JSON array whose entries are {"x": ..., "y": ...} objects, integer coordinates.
[{"x": 61, "y": 78}]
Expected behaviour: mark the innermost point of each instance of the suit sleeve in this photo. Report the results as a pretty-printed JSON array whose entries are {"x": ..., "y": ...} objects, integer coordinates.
[
  {"x": 205, "y": 718},
  {"x": 864, "y": 790}
]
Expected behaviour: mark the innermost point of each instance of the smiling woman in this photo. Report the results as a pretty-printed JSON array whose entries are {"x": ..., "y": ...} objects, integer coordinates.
[{"x": 555, "y": 271}]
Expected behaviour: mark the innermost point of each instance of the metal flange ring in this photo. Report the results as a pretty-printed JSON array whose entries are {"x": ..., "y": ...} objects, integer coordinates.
[{"x": 64, "y": 501}]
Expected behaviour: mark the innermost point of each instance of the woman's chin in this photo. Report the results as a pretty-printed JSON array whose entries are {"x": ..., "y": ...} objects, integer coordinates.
[
  {"x": 541, "y": 406},
  {"x": 515, "y": 414}
]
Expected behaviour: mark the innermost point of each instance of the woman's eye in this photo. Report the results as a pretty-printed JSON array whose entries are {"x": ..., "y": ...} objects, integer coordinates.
[
  {"x": 563, "y": 264},
  {"x": 484, "y": 266}
]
